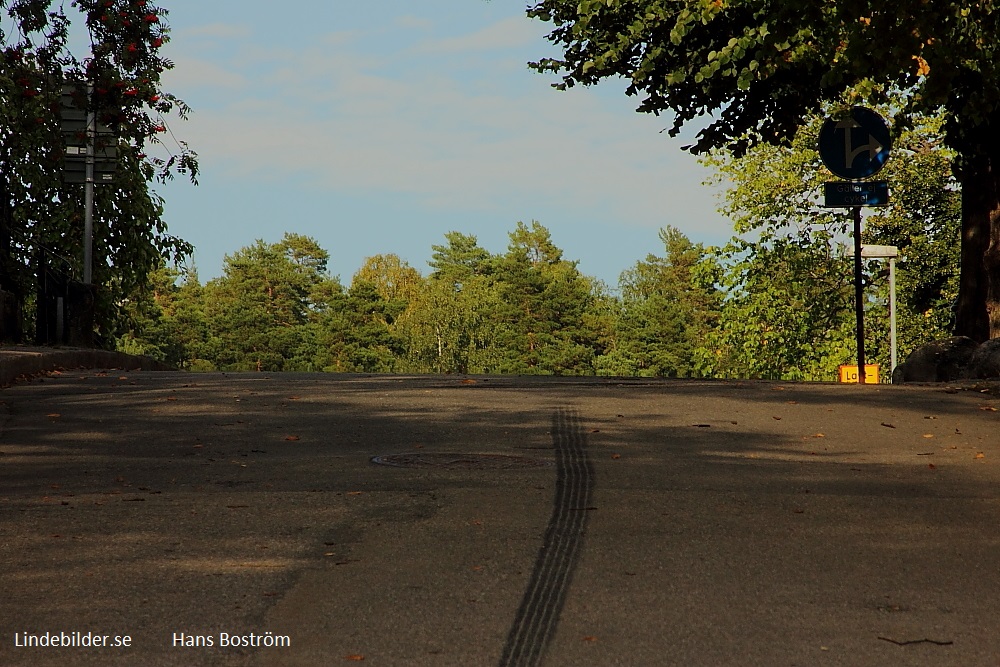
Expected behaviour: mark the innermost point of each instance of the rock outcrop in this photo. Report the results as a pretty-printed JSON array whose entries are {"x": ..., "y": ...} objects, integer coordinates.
[
  {"x": 938, "y": 361},
  {"x": 985, "y": 362}
]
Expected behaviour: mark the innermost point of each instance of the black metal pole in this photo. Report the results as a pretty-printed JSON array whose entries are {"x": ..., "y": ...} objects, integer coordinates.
[{"x": 859, "y": 302}]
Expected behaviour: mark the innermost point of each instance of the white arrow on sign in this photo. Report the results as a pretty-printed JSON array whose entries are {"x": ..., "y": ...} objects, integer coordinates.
[{"x": 851, "y": 153}]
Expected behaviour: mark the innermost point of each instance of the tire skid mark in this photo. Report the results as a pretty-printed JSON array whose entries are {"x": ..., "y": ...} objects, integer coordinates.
[{"x": 537, "y": 617}]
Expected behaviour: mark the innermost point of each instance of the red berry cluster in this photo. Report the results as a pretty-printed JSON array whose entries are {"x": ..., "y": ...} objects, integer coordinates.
[{"x": 126, "y": 65}]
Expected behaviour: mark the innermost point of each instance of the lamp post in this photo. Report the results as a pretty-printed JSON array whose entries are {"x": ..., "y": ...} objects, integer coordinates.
[{"x": 889, "y": 252}]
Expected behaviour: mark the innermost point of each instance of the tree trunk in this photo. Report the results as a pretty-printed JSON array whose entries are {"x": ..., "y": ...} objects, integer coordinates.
[
  {"x": 992, "y": 267},
  {"x": 977, "y": 312},
  {"x": 11, "y": 306}
]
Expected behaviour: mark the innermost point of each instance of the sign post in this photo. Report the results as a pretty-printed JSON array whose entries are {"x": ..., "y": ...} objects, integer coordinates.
[
  {"x": 859, "y": 295},
  {"x": 855, "y": 147},
  {"x": 889, "y": 252}
]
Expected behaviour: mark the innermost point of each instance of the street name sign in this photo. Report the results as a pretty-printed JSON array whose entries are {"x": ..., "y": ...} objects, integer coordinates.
[
  {"x": 846, "y": 194},
  {"x": 856, "y": 145},
  {"x": 879, "y": 251}
]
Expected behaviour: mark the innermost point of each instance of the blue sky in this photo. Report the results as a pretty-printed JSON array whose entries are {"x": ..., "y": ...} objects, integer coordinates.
[{"x": 378, "y": 127}]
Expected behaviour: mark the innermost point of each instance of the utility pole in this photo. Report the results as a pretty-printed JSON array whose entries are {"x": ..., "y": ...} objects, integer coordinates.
[
  {"x": 91, "y": 157},
  {"x": 88, "y": 193}
]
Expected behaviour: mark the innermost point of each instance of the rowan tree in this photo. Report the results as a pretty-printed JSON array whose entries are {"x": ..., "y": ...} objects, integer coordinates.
[{"x": 41, "y": 218}]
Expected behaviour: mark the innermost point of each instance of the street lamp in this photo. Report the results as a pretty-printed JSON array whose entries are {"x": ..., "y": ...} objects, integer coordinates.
[{"x": 889, "y": 252}]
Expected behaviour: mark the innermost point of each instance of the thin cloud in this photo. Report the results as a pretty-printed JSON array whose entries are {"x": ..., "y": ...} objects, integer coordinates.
[
  {"x": 216, "y": 31},
  {"x": 413, "y": 22},
  {"x": 507, "y": 34},
  {"x": 198, "y": 72},
  {"x": 340, "y": 119}
]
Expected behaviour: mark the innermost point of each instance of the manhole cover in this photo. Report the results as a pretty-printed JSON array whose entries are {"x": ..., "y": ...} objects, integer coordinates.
[{"x": 459, "y": 461}]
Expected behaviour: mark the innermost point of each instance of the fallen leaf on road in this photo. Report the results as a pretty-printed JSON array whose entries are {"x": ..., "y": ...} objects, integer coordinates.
[
  {"x": 928, "y": 435},
  {"x": 988, "y": 408},
  {"x": 980, "y": 455},
  {"x": 820, "y": 435},
  {"x": 776, "y": 418},
  {"x": 294, "y": 398},
  {"x": 930, "y": 417},
  {"x": 595, "y": 430},
  {"x": 792, "y": 402},
  {"x": 53, "y": 415},
  {"x": 171, "y": 398},
  {"x": 590, "y": 638},
  {"x": 292, "y": 437},
  {"x": 468, "y": 382},
  {"x": 931, "y": 466},
  {"x": 616, "y": 456},
  {"x": 888, "y": 425},
  {"x": 354, "y": 658},
  {"x": 355, "y": 493}
]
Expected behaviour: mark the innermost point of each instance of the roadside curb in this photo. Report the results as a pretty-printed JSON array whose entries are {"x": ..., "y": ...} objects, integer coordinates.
[{"x": 17, "y": 363}]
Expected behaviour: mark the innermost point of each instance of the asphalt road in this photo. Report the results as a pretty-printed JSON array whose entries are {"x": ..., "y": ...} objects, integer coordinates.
[{"x": 538, "y": 521}]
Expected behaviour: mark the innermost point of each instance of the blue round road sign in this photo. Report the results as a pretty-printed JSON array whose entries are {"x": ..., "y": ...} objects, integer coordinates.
[{"x": 856, "y": 145}]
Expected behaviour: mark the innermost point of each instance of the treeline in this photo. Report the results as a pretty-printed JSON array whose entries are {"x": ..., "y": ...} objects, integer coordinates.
[{"x": 781, "y": 310}]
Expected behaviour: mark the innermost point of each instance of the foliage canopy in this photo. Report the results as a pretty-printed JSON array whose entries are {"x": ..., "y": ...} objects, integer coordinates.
[{"x": 757, "y": 70}]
